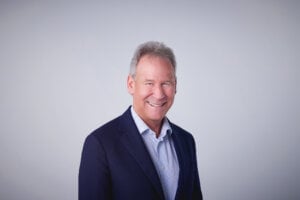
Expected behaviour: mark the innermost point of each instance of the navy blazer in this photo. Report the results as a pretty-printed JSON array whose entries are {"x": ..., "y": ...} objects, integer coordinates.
[{"x": 115, "y": 164}]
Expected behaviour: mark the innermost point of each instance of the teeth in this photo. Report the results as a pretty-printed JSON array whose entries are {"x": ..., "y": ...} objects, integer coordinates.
[{"x": 155, "y": 104}]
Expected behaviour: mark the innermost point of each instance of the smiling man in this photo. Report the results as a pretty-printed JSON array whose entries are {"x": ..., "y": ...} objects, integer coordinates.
[
  {"x": 141, "y": 154},
  {"x": 153, "y": 87}
]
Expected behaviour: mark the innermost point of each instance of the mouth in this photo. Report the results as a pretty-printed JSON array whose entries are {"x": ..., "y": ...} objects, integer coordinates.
[{"x": 153, "y": 104}]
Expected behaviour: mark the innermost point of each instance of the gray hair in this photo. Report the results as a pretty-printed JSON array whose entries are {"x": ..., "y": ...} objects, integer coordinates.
[{"x": 153, "y": 48}]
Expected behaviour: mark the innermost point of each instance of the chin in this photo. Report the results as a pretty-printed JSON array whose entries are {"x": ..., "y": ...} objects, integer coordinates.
[{"x": 157, "y": 117}]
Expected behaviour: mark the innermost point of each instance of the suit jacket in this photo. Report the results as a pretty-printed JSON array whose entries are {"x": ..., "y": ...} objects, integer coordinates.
[{"x": 115, "y": 164}]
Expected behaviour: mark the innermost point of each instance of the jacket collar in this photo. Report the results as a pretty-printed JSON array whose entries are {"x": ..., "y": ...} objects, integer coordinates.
[{"x": 134, "y": 144}]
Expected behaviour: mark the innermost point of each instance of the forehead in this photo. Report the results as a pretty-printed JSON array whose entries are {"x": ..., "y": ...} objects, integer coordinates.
[{"x": 155, "y": 65}]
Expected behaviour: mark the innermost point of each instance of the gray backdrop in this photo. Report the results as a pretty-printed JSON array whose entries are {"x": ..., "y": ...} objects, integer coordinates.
[{"x": 63, "y": 73}]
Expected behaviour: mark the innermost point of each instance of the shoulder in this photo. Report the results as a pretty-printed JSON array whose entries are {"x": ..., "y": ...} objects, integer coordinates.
[
  {"x": 110, "y": 126},
  {"x": 112, "y": 129},
  {"x": 179, "y": 131},
  {"x": 108, "y": 131},
  {"x": 182, "y": 135}
]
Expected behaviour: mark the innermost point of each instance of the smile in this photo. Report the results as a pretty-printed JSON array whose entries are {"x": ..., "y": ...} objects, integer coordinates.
[{"x": 156, "y": 104}]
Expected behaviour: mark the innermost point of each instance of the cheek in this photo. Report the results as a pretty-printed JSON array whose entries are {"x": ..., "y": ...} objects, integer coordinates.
[
  {"x": 170, "y": 93},
  {"x": 142, "y": 92}
]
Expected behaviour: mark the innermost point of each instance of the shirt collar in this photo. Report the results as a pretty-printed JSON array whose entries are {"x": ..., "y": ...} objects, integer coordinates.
[{"x": 142, "y": 126}]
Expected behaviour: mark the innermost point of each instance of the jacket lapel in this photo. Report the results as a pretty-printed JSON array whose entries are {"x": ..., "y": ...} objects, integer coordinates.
[
  {"x": 182, "y": 163},
  {"x": 134, "y": 144}
]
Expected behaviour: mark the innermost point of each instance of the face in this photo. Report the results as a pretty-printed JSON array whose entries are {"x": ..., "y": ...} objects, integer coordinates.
[{"x": 153, "y": 88}]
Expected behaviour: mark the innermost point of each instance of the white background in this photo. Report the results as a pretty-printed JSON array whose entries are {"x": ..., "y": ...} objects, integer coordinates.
[{"x": 63, "y": 70}]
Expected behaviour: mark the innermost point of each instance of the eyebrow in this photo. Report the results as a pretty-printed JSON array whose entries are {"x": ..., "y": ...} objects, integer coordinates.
[
  {"x": 166, "y": 81},
  {"x": 148, "y": 80}
]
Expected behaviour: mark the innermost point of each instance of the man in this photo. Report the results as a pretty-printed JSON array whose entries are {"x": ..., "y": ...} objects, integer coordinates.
[{"x": 141, "y": 155}]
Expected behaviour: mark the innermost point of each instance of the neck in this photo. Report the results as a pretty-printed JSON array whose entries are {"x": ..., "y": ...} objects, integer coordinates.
[{"x": 155, "y": 126}]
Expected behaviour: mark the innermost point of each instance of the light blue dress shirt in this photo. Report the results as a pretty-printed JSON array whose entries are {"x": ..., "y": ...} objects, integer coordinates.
[{"x": 163, "y": 154}]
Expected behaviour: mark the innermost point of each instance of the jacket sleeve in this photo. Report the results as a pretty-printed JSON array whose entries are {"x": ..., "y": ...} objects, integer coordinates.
[{"x": 94, "y": 177}]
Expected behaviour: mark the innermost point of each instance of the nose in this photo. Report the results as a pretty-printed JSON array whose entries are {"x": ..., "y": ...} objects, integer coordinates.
[{"x": 159, "y": 92}]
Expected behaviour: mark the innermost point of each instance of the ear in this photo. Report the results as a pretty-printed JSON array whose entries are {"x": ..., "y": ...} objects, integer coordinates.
[
  {"x": 130, "y": 84},
  {"x": 175, "y": 85}
]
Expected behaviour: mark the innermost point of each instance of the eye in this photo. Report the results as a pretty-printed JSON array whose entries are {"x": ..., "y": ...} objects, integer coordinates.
[
  {"x": 167, "y": 84},
  {"x": 149, "y": 83}
]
